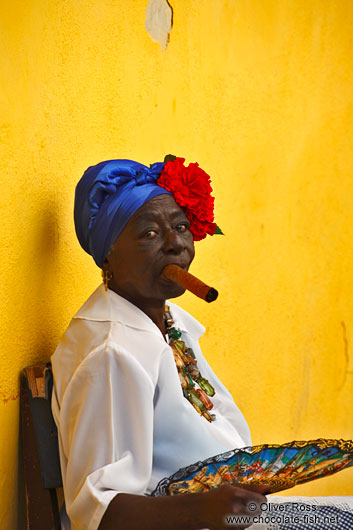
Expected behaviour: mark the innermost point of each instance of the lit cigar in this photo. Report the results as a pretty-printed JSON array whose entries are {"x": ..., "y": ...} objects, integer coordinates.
[{"x": 190, "y": 282}]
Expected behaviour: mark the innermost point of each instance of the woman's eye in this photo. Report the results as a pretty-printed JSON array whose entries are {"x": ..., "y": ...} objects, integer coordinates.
[
  {"x": 183, "y": 227},
  {"x": 151, "y": 234}
]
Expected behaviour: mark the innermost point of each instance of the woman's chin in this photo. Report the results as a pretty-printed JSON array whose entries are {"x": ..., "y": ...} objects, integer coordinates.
[
  {"x": 177, "y": 292},
  {"x": 171, "y": 289}
]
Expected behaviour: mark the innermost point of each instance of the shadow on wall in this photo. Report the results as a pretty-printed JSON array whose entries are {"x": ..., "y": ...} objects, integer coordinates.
[
  {"x": 39, "y": 286},
  {"x": 42, "y": 301}
]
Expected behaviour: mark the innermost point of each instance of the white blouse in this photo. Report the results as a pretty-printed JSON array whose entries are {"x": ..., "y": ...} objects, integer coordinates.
[{"x": 122, "y": 419}]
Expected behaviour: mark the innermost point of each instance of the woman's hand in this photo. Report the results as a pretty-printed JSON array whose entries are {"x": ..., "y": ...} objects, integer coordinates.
[
  {"x": 194, "y": 511},
  {"x": 227, "y": 501}
]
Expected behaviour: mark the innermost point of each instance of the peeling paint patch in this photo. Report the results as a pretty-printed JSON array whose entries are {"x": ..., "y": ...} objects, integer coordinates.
[
  {"x": 11, "y": 398},
  {"x": 159, "y": 21}
]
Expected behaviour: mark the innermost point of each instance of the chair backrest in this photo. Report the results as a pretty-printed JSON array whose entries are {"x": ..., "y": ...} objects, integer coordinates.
[{"x": 40, "y": 449}]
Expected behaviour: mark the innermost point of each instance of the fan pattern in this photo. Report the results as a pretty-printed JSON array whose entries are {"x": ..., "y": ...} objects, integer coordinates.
[{"x": 278, "y": 466}]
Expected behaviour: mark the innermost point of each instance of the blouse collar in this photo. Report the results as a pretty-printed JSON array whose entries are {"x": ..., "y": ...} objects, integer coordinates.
[{"x": 109, "y": 306}]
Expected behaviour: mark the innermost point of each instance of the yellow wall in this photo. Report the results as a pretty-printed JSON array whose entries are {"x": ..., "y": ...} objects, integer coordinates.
[{"x": 260, "y": 93}]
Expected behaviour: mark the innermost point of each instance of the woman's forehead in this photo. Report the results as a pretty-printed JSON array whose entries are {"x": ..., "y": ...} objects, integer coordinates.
[{"x": 160, "y": 206}]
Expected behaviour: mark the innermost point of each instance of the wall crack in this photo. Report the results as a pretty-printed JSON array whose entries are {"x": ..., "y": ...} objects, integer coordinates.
[{"x": 346, "y": 355}]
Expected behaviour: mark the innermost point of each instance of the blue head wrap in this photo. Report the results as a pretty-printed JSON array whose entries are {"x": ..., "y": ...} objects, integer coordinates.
[{"x": 107, "y": 195}]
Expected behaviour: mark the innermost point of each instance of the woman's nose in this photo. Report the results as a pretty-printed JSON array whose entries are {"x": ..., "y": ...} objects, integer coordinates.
[{"x": 173, "y": 243}]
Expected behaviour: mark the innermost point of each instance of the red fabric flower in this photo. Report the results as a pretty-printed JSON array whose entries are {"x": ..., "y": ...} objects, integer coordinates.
[{"x": 191, "y": 188}]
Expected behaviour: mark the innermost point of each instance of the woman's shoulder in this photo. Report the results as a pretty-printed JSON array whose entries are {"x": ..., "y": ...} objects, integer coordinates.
[{"x": 108, "y": 332}]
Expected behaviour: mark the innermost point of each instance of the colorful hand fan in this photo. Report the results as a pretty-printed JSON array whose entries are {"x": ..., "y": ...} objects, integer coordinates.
[{"x": 278, "y": 466}]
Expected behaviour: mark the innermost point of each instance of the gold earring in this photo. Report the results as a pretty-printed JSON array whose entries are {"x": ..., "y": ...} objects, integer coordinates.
[{"x": 107, "y": 276}]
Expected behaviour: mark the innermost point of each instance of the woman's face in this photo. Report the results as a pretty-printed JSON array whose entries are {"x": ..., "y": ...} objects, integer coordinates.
[{"x": 156, "y": 235}]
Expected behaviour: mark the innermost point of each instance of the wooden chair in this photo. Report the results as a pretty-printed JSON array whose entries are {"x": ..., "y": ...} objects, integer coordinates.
[{"x": 42, "y": 473}]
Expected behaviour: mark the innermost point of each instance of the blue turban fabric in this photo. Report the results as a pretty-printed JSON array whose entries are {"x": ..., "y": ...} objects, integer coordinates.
[{"x": 107, "y": 195}]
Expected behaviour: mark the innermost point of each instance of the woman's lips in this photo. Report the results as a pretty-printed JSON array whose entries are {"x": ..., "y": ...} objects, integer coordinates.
[
  {"x": 167, "y": 280},
  {"x": 181, "y": 265}
]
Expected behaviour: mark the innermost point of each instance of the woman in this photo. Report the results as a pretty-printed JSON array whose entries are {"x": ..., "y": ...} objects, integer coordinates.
[{"x": 119, "y": 401}]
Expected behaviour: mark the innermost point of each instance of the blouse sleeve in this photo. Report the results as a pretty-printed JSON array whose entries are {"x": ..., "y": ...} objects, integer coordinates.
[{"x": 105, "y": 434}]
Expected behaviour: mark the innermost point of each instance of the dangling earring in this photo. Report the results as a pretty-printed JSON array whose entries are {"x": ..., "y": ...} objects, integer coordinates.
[{"x": 107, "y": 276}]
